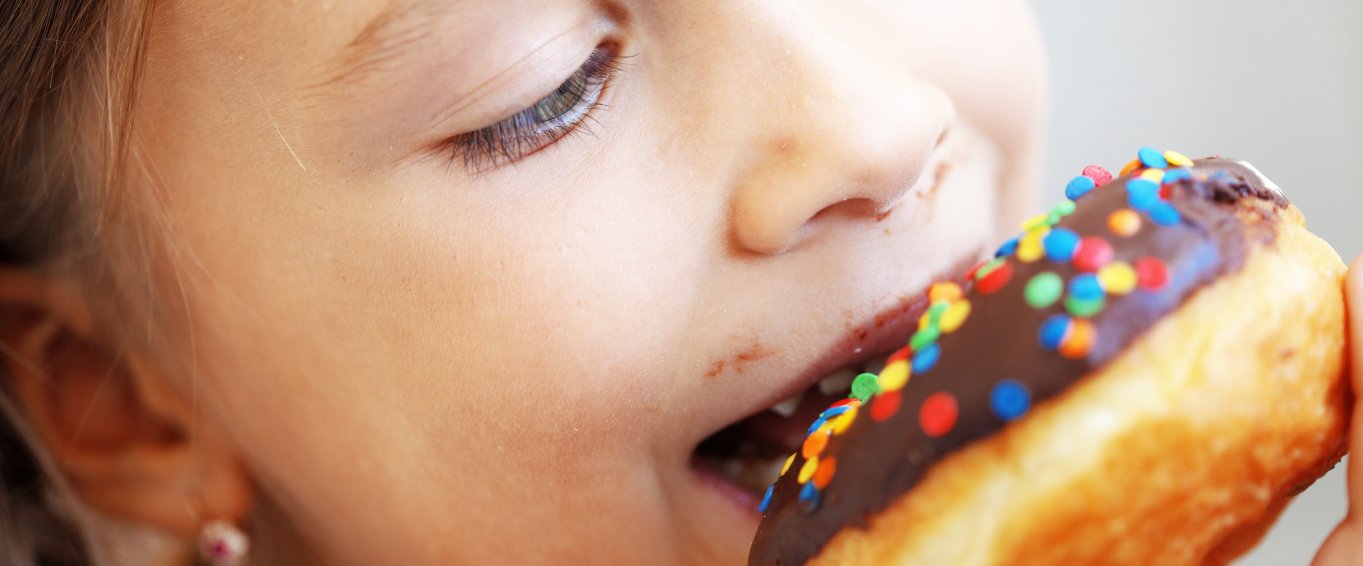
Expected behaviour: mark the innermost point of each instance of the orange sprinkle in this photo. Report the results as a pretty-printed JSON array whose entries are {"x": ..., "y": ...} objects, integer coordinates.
[
  {"x": 1124, "y": 222},
  {"x": 825, "y": 472},
  {"x": 1079, "y": 340},
  {"x": 945, "y": 291}
]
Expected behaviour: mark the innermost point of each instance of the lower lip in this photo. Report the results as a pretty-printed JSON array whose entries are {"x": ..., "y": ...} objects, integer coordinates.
[{"x": 746, "y": 503}]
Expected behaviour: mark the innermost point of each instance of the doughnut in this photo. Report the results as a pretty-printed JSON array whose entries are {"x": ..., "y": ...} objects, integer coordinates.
[{"x": 1145, "y": 375}]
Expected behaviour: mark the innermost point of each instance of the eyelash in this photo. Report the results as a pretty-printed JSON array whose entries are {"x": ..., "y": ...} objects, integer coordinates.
[{"x": 561, "y": 113}]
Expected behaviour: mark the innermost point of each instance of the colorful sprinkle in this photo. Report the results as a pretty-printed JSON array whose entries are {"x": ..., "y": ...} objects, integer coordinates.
[
  {"x": 1054, "y": 331},
  {"x": 1118, "y": 278},
  {"x": 923, "y": 337},
  {"x": 1153, "y": 175},
  {"x": 864, "y": 386},
  {"x": 1099, "y": 175},
  {"x": 840, "y": 423},
  {"x": 786, "y": 467},
  {"x": 815, "y": 443},
  {"x": 945, "y": 291},
  {"x": 926, "y": 359},
  {"x": 1043, "y": 290},
  {"x": 1165, "y": 214},
  {"x": 1086, "y": 286},
  {"x": 816, "y": 425},
  {"x": 1177, "y": 159},
  {"x": 1132, "y": 165},
  {"x": 1061, "y": 245},
  {"x": 1175, "y": 175},
  {"x": 894, "y": 376},
  {"x": 825, "y": 473},
  {"x": 955, "y": 316},
  {"x": 995, "y": 279},
  {"x": 1151, "y": 273},
  {"x": 1078, "y": 187},
  {"x": 885, "y": 406},
  {"x": 810, "y": 498},
  {"x": 1142, "y": 194},
  {"x": 834, "y": 410},
  {"x": 1084, "y": 308},
  {"x": 1094, "y": 253},
  {"x": 1007, "y": 248},
  {"x": 938, "y": 414},
  {"x": 766, "y": 499},
  {"x": 1031, "y": 248},
  {"x": 1124, "y": 222},
  {"x": 807, "y": 470},
  {"x": 1035, "y": 223},
  {"x": 1151, "y": 157},
  {"x": 1063, "y": 209},
  {"x": 1079, "y": 340},
  {"x": 1009, "y": 400}
]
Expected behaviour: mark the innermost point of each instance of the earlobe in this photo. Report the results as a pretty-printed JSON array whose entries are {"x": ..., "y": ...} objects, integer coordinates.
[{"x": 129, "y": 444}]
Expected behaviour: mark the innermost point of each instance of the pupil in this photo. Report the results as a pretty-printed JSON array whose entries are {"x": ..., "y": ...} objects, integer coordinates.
[{"x": 563, "y": 99}]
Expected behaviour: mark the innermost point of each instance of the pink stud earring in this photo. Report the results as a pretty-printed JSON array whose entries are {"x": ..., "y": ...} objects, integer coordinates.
[{"x": 223, "y": 544}]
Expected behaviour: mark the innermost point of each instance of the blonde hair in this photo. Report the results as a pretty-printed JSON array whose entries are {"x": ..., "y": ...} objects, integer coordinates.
[{"x": 69, "y": 75}]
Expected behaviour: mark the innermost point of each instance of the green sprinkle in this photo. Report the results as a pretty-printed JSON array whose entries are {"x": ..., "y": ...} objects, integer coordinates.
[
  {"x": 1044, "y": 290},
  {"x": 935, "y": 313},
  {"x": 1063, "y": 209},
  {"x": 988, "y": 268},
  {"x": 1084, "y": 308},
  {"x": 925, "y": 337},
  {"x": 864, "y": 386}
]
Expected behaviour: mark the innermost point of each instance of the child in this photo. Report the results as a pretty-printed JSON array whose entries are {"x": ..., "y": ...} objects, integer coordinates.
[{"x": 431, "y": 282}]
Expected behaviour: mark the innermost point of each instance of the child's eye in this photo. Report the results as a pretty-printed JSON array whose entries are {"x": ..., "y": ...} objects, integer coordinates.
[{"x": 560, "y": 113}]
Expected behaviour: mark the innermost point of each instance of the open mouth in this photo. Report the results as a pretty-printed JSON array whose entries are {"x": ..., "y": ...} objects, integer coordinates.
[{"x": 749, "y": 454}]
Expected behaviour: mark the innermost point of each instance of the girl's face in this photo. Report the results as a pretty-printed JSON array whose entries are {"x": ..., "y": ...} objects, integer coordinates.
[{"x": 476, "y": 279}]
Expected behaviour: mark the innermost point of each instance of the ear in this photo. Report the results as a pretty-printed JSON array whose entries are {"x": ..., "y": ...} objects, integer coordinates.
[{"x": 128, "y": 442}]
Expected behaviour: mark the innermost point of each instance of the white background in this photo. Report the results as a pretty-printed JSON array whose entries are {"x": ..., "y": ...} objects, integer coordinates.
[{"x": 1277, "y": 84}]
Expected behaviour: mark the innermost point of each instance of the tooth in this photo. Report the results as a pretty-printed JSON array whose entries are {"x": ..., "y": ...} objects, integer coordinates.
[
  {"x": 874, "y": 365},
  {"x": 838, "y": 381},
  {"x": 787, "y": 408}
]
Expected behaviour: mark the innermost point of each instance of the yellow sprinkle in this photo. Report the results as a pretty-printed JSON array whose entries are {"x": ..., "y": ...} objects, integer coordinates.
[
  {"x": 841, "y": 422},
  {"x": 807, "y": 471},
  {"x": 789, "y": 461},
  {"x": 1177, "y": 159},
  {"x": 1132, "y": 166},
  {"x": 1124, "y": 222},
  {"x": 1036, "y": 222},
  {"x": 955, "y": 316},
  {"x": 1117, "y": 278},
  {"x": 894, "y": 376},
  {"x": 924, "y": 321},
  {"x": 1156, "y": 175},
  {"x": 945, "y": 291},
  {"x": 1030, "y": 248}
]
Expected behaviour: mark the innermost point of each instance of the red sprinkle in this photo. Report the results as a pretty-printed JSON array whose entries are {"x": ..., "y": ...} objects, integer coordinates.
[
  {"x": 970, "y": 275},
  {"x": 1094, "y": 253},
  {"x": 885, "y": 405},
  {"x": 1151, "y": 273},
  {"x": 900, "y": 355},
  {"x": 1099, "y": 175},
  {"x": 938, "y": 415},
  {"x": 1166, "y": 192},
  {"x": 847, "y": 401},
  {"x": 996, "y": 279}
]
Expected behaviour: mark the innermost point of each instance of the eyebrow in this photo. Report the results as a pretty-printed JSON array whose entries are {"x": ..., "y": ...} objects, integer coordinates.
[{"x": 386, "y": 37}]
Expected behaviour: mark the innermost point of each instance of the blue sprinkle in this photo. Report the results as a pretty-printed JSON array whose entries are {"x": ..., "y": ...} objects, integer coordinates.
[
  {"x": 1152, "y": 158},
  {"x": 1078, "y": 187},
  {"x": 926, "y": 359},
  {"x": 1142, "y": 194},
  {"x": 818, "y": 423},
  {"x": 1175, "y": 175},
  {"x": 1010, "y": 400},
  {"x": 1007, "y": 248},
  {"x": 1165, "y": 214},
  {"x": 833, "y": 412},
  {"x": 809, "y": 498},
  {"x": 1085, "y": 286},
  {"x": 766, "y": 499},
  {"x": 1061, "y": 244},
  {"x": 1053, "y": 331}
]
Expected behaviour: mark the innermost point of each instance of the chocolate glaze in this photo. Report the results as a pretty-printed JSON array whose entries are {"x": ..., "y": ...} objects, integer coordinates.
[{"x": 1223, "y": 216}]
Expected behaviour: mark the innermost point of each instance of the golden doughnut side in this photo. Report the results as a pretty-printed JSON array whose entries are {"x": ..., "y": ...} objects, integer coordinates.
[{"x": 1244, "y": 383}]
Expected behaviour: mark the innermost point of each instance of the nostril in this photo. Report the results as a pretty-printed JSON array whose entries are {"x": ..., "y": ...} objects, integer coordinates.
[
  {"x": 849, "y": 208},
  {"x": 942, "y": 137}
]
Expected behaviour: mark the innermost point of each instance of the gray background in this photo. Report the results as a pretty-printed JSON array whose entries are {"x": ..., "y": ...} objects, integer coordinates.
[{"x": 1277, "y": 84}]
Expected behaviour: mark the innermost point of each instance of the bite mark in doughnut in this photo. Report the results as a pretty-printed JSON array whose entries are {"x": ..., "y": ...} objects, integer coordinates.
[{"x": 1055, "y": 305}]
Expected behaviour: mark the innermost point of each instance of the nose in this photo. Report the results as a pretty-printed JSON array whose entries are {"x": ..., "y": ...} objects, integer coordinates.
[{"x": 833, "y": 130}]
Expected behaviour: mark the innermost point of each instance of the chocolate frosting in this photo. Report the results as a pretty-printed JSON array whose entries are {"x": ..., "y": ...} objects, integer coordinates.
[{"x": 1226, "y": 208}]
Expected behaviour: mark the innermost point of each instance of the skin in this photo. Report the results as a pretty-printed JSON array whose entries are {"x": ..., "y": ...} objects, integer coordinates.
[
  {"x": 1345, "y": 545},
  {"x": 393, "y": 359}
]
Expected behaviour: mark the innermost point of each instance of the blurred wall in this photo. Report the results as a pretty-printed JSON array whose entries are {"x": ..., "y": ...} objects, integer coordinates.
[{"x": 1279, "y": 84}]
